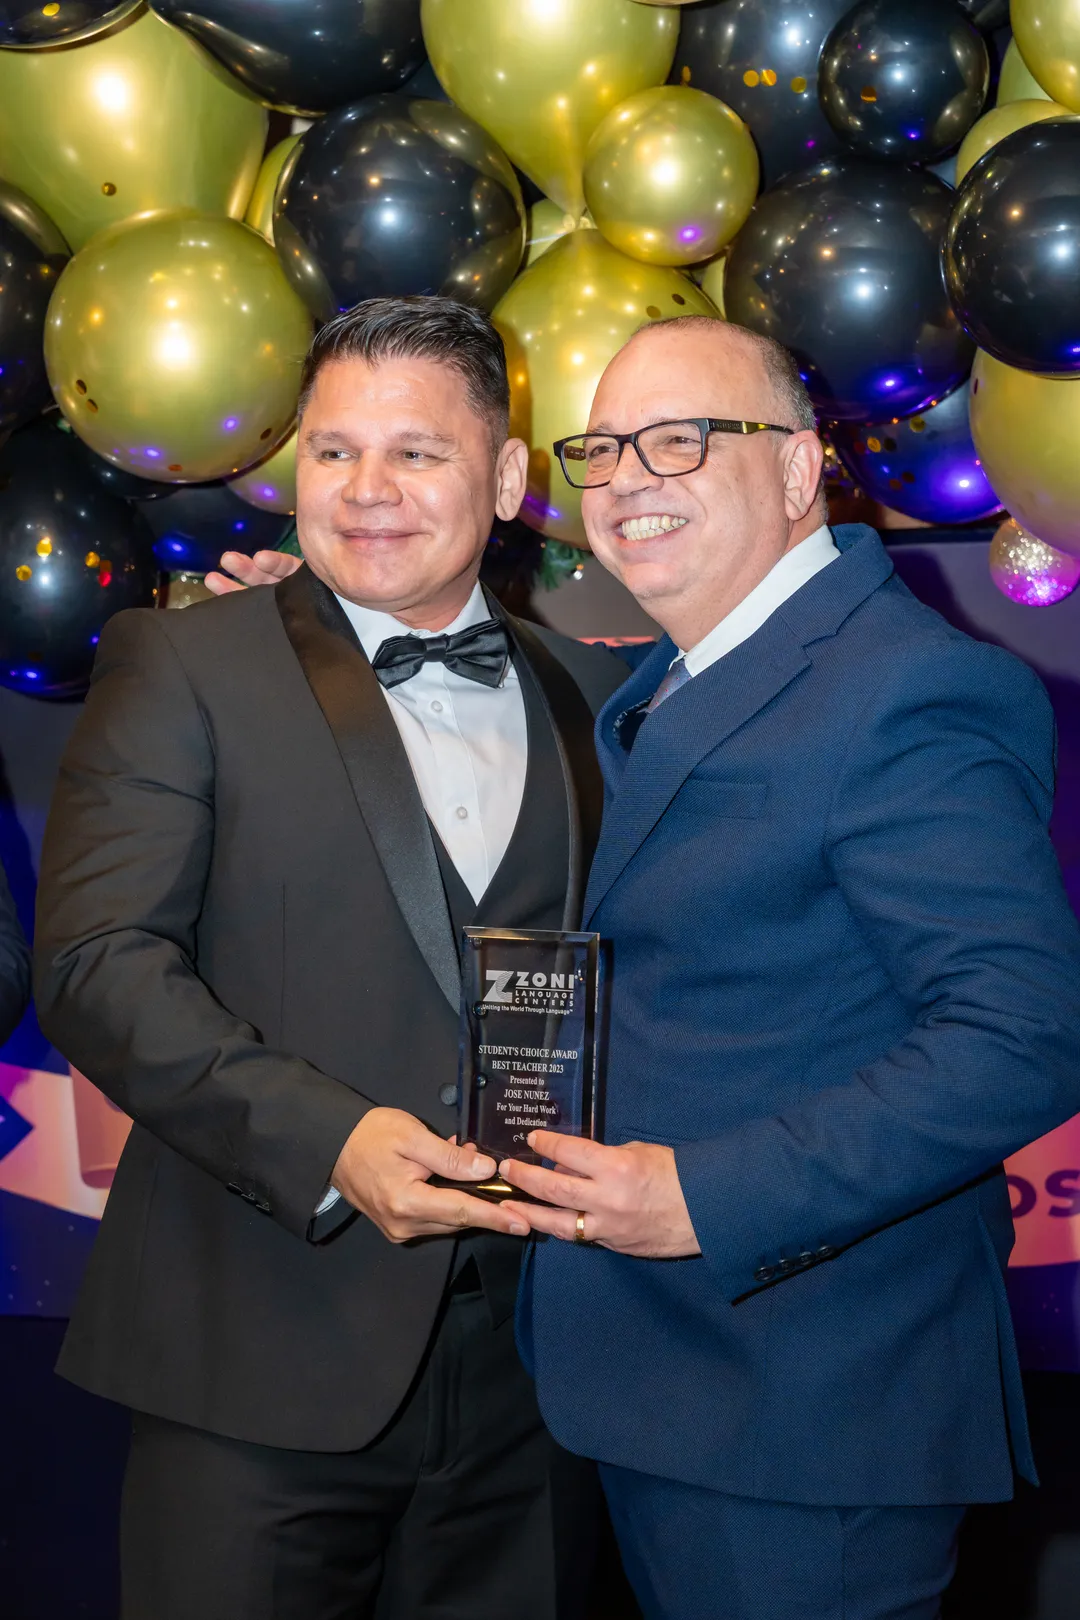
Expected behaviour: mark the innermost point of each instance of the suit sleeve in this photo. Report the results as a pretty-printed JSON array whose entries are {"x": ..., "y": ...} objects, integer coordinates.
[
  {"x": 938, "y": 843},
  {"x": 124, "y": 869},
  {"x": 14, "y": 965}
]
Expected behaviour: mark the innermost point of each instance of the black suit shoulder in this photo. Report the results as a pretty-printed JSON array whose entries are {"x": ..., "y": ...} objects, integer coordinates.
[{"x": 595, "y": 669}]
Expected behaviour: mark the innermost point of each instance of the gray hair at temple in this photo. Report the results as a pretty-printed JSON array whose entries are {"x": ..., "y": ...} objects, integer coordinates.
[{"x": 420, "y": 328}]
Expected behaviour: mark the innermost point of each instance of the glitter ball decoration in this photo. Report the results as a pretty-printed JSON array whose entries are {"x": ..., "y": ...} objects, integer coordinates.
[{"x": 1027, "y": 570}]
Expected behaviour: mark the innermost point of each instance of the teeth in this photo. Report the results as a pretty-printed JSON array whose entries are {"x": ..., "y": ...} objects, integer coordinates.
[{"x": 640, "y": 528}]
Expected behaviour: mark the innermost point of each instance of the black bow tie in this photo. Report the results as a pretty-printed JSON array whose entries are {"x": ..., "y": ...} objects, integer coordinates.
[{"x": 480, "y": 653}]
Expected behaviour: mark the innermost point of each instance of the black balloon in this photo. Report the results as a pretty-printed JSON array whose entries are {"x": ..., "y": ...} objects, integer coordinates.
[
  {"x": 841, "y": 263},
  {"x": 392, "y": 196},
  {"x": 1012, "y": 250},
  {"x": 195, "y": 523},
  {"x": 115, "y": 479},
  {"x": 987, "y": 14},
  {"x": 71, "y": 555},
  {"x": 307, "y": 55},
  {"x": 29, "y": 25},
  {"x": 904, "y": 79},
  {"x": 32, "y": 255},
  {"x": 761, "y": 58}
]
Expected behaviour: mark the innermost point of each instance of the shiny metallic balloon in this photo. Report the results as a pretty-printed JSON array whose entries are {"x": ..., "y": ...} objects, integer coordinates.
[
  {"x": 1012, "y": 249},
  {"x": 1026, "y": 429},
  {"x": 1016, "y": 82},
  {"x": 271, "y": 484},
  {"x": 183, "y": 590},
  {"x": 925, "y": 466},
  {"x": 562, "y": 321},
  {"x": 307, "y": 55},
  {"x": 671, "y": 175},
  {"x": 174, "y": 345},
  {"x": 71, "y": 555},
  {"x": 260, "y": 210},
  {"x": 993, "y": 127},
  {"x": 391, "y": 196},
  {"x": 541, "y": 74},
  {"x": 1047, "y": 35},
  {"x": 987, "y": 14},
  {"x": 193, "y": 525},
  {"x": 33, "y": 25},
  {"x": 761, "y": 58},
  {"x": 841, "y": 264},
  {"x": 904, "y": 79},
  {"x": 141, "y": 118},
  {"x": 547, "y": 222},
  {"x": 1027, "y": 570},
  {"x": 32, "y": 255},
  {"x": 114, "y": 479}
]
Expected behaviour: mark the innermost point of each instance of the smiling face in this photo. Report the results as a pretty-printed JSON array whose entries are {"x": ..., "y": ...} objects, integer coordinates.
[
  {"x": 397, "y": 484},
  {"x": 691, "y": 548}
]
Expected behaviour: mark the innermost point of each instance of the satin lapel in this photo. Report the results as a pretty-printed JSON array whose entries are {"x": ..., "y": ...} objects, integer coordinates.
[
  {"x": 572, "y": 722},
  {"x": 378, "y": 768},
  {"x": 693, "y": 722}
]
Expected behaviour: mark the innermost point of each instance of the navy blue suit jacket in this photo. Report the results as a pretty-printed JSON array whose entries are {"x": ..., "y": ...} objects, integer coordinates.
[
  {"x": 846, "y": 983},
  {"x": 14, "y": 964}
]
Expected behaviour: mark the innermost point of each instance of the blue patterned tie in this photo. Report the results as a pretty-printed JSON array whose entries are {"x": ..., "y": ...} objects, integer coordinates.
[{"x": 677, "y": 676}]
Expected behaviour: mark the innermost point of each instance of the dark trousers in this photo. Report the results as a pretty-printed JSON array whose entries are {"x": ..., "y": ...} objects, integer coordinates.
[
  {"x": 693, "y": 1554},
  {"x": 463, "y": 1509}
]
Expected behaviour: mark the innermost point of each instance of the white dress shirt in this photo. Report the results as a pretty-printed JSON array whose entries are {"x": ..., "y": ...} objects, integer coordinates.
[
  {"x": 467, "y": 743},
  {"x": 784, "y": 578}
]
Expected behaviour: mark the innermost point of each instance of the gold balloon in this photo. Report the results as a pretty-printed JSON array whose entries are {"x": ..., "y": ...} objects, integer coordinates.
[
  {"x": 540, "y": 75},
  {"x": 999, "y": 122},
  {"x": 183, "y": 590},
  {"x": 271, "y": 484},
  {"x": 671, "y": 175},
  {"x": 1047, "y": 35},
  {"x": 173, "y": 346},
  {"x": 547, "y": 224},
  {"x": 711, "y": 280},
  {"x": 140, "y": 118},
  {"x": 260, "y": 210},
  {"x": 1016, "y": 82},
  {"x": 1026, "y": 429},
  {"x": 562, "y": 321}
]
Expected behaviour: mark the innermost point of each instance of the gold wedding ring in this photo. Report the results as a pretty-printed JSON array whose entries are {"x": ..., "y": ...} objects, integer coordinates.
[{"x": 579, "y": 1228}]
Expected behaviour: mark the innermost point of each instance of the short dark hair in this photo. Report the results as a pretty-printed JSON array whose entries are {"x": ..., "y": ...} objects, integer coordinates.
[
  {"x": 796, "y": 409},
  {"x": 421, "y": 328}
]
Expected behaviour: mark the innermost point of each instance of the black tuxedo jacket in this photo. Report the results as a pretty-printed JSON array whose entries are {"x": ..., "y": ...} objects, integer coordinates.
[
  {"x": 14, "y": 964},
  {"x": 243, "y": 939}
]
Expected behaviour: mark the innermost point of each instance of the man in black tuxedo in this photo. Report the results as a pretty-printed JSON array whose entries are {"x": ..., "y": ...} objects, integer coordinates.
[
  {"x": 273, "y": 818},
  {"x": 14, "y": 964}
]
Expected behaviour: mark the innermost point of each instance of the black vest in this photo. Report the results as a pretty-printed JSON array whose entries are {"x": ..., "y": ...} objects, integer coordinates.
[{"x": 528, "y": 890}]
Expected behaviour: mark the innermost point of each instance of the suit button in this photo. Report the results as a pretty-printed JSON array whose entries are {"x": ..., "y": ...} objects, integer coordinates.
[
  {"x": 806, "y": 1258},
  {"x": 764, "y": 1274},
  {"x": 826, "y": 1252},
  {"x": 787, "y": 1266},
  {"x": 448, "y": 1095}
]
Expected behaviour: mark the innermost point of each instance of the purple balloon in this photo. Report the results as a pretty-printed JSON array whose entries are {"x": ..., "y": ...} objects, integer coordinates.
[{"x": 925, "y": 466}]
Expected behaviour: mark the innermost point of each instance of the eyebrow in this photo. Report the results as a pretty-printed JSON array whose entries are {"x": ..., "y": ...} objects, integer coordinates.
[{"x": 329, "y": 438}]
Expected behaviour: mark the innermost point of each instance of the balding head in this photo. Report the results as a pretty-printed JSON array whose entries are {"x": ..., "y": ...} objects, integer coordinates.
[{"x": 755, "y": 497}]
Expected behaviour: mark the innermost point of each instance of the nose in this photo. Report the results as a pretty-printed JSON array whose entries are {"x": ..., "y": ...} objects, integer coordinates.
[
  {"x": 631, "y": 473},
  {"x": 370, "y": 482}
]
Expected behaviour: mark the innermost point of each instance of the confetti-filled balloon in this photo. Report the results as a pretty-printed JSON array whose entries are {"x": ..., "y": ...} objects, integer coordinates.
[
  {"x": 32, "y": 255},
  {"x": 30, "y": 25},
  {"x": 260, "y": 210},
  {"x": 193, "y": 525},
  {"x": 271, "y": 484},
  {"x": 562, "y": 321},
  {"x": 1026, "y": 429},
  {"x": 71, "y": 555},
  {"x": 392, "y": 196},
  {"x": 141, "y": 118},
  {"x": 541, "y": 77},
  {"x": 174, "y": 345},
  {"x": 1047, "y": 35},
  {"x": 841, "y": 264},
  {"x": 993, "y": 127},
  {"x": 1016, "y": 82},
  {"x": 1027, "y": 570},
  {"x": 671, "y": 175},
  {"x": 1012, "y": 249},
  {"x": 307, "y": 55},
  {"x": 761, "y": 58},
  {"x": 925, "y": 466},
  {"x": 904, "y": 79}
]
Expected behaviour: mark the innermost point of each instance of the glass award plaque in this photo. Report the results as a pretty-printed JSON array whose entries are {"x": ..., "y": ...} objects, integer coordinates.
[{"x": 529, "y": 1055}]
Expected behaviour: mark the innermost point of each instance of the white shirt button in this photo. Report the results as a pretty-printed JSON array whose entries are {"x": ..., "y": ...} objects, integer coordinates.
[
  {"x": 461, "y": 813},
  {"x": 436, "y": 707}
]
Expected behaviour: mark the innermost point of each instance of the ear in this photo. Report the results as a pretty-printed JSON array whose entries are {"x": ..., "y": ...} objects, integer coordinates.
[
  {"x": 511, "y": 472},
  {"x": 802, "y": 457}
]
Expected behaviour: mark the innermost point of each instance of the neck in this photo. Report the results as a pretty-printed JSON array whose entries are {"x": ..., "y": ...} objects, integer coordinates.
[{"x": 434, "y": 612}]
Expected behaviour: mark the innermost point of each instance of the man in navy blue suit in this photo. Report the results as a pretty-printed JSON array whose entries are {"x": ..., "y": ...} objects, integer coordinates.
[
  {"x": 846, "y": 983},
  {"x": 14, "y": 964}
]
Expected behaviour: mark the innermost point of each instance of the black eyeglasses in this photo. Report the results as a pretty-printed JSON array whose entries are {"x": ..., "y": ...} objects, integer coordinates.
[{"x": 666, "y": 449}]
